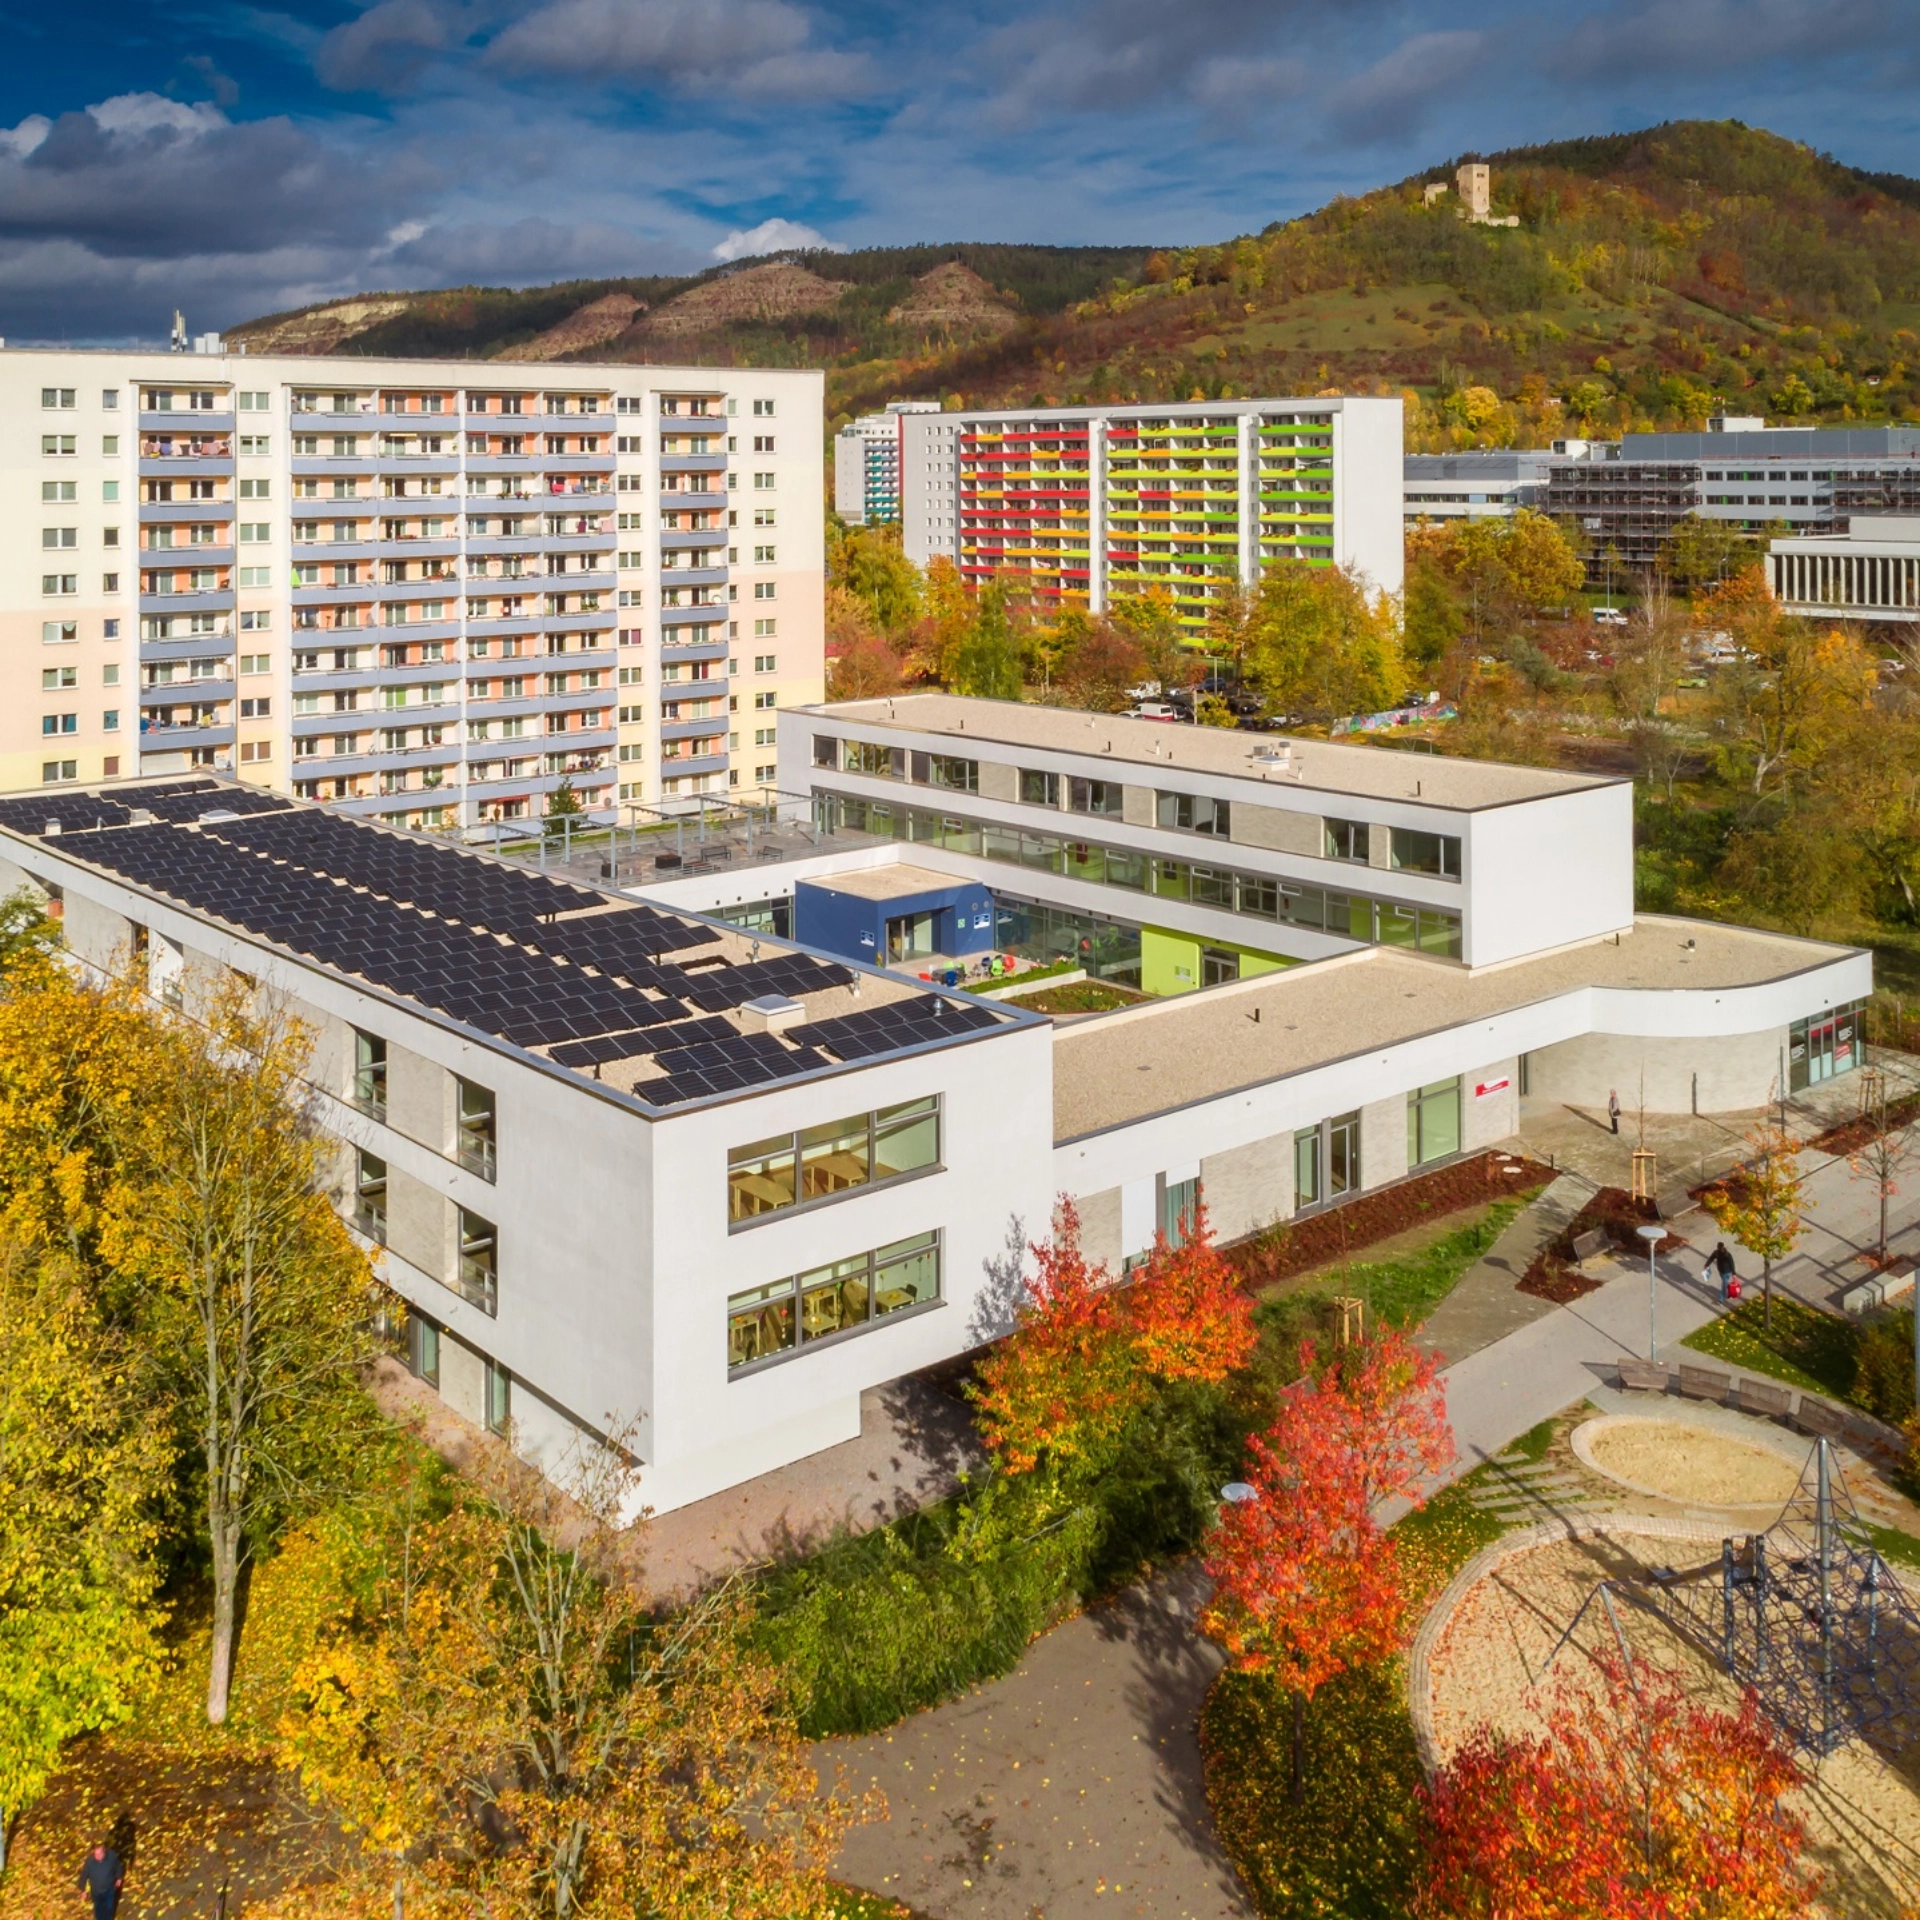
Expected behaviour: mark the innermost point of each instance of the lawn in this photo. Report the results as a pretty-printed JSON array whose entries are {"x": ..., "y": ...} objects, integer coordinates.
[
  {"x": 1806, "y": 1348},
  {"x": 1405, "y": 1290}
]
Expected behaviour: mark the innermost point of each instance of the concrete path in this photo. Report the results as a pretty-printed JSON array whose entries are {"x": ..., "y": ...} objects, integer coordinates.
[
  {"x": 1485, "y": 1304},
  {"x": 1068, "y": 1790}
]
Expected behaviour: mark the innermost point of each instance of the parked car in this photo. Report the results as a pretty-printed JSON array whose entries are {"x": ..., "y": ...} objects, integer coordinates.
[
  {"x": 1609, "y": 617},
  {"x": 1151, "y": 710}
]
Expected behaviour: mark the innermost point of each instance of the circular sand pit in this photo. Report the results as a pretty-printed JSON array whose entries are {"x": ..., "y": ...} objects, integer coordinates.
[{"x": 1694, "y": 1466}]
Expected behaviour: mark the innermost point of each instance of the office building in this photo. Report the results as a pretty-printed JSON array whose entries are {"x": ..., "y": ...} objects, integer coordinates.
[
  {"x": 624, "y": 1159},
  {"x": 1741, "y": 474},
  {"x": 867, "y": 460},
  {"x": 1869, "y": 573},
  {"x": 1489, "y": 485},
  {"x": 432, "y": 592},
  {"x": 1101, "y": 503}
]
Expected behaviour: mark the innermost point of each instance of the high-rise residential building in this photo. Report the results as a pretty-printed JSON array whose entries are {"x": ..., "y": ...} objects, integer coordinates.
[
  {"x": 432, "y": 592},
  {"x": 867, "y": 461},
  {"x": 1105, "y": 502},
  {"x": 1740, "y": 473}
]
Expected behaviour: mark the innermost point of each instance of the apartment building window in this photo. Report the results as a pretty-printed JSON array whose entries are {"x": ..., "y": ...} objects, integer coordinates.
[
  {"x": 58, "y": 444},
  {"x": 256, "y": 750},
  {"x": 763, "y": 443},
  {"x": 57, "y": 398},
  {"x": 1348, "y": 840},
  {"x": 52, "y": 679},
  {"x": 765, "y": 590},
  {"x": 1436, "y": 853},
  {"x": 844, "y": 1297},
  {"x": 498, "y": 1388},
  {"x": 60, "y": 584},
  {"x": 369, "y": 1070},
  {"x": 763, "y": 701},
  {"x": 255, "y": 663},
  {"x": 478, "y": 1279},
  {"x": 255, "y": 445},
  {"x": 59, "y": 536},
  {"x": 370, "y": 1197},
  {"x": 110, "y": 720},
  {"x": 1433, "y": 1122},
  {"x": 59, "y": 633},
  {"x": 765, "y": 662},
  {"x": 827, "y": 1162},
  {"x": 1194, "y": 813},
  {"x": 763, "y": 409},
  {"x": 53, "y": 772},
  {"x": 59, "y": 723},
  {"x": 256, "y": 489},
  {"x": 57, "y": 491},
  {"x": 110, "y": 399},
  {"x": 1094, "y": 796},
  {"x": 254, "y": 402},
  {"x": 763, "y": 482},
  {"x": 763, "y": 557},
  {"x": 256, "y": 620}
]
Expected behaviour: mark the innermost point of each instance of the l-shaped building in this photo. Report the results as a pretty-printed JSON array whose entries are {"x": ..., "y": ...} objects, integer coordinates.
[{"x": 648, "y": 1159}]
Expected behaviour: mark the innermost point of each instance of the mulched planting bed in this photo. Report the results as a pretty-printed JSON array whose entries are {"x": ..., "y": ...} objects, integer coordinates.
[
  {"x": 1849, "y": 1136},
  {"x": 1343, "y": 1231},
  {"x": 1554, "y": 1274}
]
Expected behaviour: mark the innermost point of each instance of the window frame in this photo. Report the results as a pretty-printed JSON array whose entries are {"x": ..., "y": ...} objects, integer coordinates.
[{"x": 791, "y": 1292}]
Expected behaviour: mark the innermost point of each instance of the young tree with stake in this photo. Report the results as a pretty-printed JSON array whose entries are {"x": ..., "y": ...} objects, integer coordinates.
[{"x": 1763, "y": 1205}]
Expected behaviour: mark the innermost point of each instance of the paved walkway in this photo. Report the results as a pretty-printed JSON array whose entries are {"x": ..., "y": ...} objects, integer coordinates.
[
  {"x": 1069, "y": 1789},
  {"x": 1486, "y": 1304}
]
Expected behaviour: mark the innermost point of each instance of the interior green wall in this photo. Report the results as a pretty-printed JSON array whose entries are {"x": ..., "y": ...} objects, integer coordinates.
[{"x": 1170, "y": 962}]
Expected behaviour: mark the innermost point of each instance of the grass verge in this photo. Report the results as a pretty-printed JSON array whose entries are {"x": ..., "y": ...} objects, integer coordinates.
[
  {"x": 1406, "y": 1289},
  {"x": 1806, "y": 1348}
]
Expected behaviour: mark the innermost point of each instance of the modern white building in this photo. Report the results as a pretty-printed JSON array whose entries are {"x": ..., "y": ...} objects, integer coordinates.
[
  {"x": 625, "y": 1160},
  {"x": 1871, "y": 572},
  {"x": 867, "y": 463},
  {"x": 1099, "y": 503},
  {"x": 432, "y": 592}
]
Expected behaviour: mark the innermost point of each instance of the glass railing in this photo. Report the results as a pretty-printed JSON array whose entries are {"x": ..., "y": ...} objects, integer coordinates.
[
  {"x": 370, "y": 1222},
  {"x": 477, "y": 1155},
  {"x": 477, "y": 1284}
]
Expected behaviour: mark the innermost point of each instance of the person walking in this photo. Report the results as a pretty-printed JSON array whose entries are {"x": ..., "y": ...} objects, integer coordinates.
[
  {"x": 1721, "y": 1262},
  {"x": 1613, "y": 1109},
  {"x": 100, "y": 1880}
]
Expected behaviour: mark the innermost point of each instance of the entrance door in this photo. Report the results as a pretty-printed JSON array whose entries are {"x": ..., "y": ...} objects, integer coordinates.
[
  {"x": 1820, "y": 1035},
  {"x": 910, "y": 936},
  {"x": 1218, "y": 965}
]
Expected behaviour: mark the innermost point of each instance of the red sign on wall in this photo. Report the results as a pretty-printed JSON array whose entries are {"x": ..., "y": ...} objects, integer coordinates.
[{"x": 1486, "y": 1089}]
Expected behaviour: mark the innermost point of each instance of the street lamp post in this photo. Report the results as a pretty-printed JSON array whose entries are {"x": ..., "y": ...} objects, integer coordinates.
[{"x": 1652, "y": 1236}]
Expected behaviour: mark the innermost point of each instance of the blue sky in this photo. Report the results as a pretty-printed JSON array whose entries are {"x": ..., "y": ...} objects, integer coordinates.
[{"x": 234, "y": 159}]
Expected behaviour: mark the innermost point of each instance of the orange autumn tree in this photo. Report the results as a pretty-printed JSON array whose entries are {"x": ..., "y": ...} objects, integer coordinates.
[
  {"x": 1636, "y": 1802},
  {"x": 1190, "y": 1316},
  {"x": 1307, "y": 1583},
  {"x": 1085, "y": 1350}
]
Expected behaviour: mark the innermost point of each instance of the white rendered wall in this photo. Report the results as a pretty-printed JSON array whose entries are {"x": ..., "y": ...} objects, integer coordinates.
[
  {"x": 1548, "y": 872},
  {"x": 1369, "y": 514}
]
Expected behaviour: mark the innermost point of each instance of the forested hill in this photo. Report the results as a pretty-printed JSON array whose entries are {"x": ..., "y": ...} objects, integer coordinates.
[{"x": 1653, "y": 278}]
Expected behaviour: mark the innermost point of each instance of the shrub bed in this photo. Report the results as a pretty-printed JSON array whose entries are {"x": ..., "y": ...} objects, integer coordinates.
[
  {"x": 1554, "y": 1274},
  {"x": 1297, "y": 1245}
]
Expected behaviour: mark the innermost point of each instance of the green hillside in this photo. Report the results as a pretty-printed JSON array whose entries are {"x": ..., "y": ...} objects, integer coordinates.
[{"x": 1653, "y": 278}]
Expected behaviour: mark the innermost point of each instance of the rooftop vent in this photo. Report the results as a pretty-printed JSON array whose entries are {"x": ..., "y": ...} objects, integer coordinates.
[
  {"x": 216, "y": 815},
  {"x": 771, "y": 1012},
  {"x": 143, "y": 817},
  {"x": 52, "y": 827}
]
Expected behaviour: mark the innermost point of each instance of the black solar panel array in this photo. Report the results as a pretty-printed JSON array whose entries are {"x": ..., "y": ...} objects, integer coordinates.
[
  {"x": 897, "y": 1025},
  {"x": 480, "y": 941}
]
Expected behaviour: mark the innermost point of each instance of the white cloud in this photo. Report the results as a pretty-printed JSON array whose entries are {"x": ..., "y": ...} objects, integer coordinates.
[
  {"x": 774, "y": 236},
  {"x": 132, "y": 114},
  {"x": 24, "y": 138}
]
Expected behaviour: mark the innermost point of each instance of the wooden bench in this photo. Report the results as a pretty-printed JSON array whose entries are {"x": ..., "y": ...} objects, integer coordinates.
[
  {"x": 1673, "y": 1203},
  {"x": 1647, "y": 1376},
  {"x": 1816, "y": 1417},
  {"x": 1704, "y": 1383},
  {"x": 1586, "y": 1245},
  {"x": 1771, "y": 1402}
]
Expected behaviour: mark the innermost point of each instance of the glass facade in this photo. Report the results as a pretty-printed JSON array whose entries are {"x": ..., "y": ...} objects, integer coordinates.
[
  {"x": 1350, "y": 916},
  {"x": 1051, "y": 934},
  {"x": 1326, "y": 1161},
  {"x": 1825, "y": 1046},
  {"x": 767, "y": 1323}
]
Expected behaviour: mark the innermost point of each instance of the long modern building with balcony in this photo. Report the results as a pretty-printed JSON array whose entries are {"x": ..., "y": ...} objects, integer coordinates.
[
  {"x": 430, "y": 592},
  {"x": 1104, "y": 503}
]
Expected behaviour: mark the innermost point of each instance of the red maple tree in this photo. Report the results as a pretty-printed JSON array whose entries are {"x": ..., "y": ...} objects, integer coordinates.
[
  {"x": 1638, "y": 1804},
  {"x": 1307, "y": 1583},
  {"x": 1063, "y": 1384},
  {"x": 1191, "y": 1317}
]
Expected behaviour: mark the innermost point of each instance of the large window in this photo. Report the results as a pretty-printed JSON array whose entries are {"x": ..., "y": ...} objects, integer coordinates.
[
  {"x": 423, "y": 1348},
  {"x": 1194, "y": 813},
  {"x": 1326, "y": 1161},
  {"x": 1826, "y": 1045},
  {"x": 498, "y": 1390},
  {"x": 767, "y": 1323},
  {"x": 828, "y": 1161},
  {"x": 1039, "y": 789},
  {"x": 1348, "y": 840},
  {"x": 477, "y": 1124},
  {"x": 1437, "y": 853},
  {"x": 477, "y": 1280},
  {"x": 1433, "y": 1122},
  {"x": 370, "y": 1197},
  {"x": 946, "y": 770},
  {"x": 886, "y": 763},
  {"x": 370, "y": 1074},
  {"x": 1094, "y": 796}
]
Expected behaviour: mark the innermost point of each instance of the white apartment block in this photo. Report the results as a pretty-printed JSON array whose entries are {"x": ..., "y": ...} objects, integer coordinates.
[
  {"x": 1096, "y": 503},
  {"x": 430, "y": 592},
  {"x": 868, "y": 460}
]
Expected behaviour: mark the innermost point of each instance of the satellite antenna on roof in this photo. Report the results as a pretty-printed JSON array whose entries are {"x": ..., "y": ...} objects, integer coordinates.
[{"x": 179, "y": 341}]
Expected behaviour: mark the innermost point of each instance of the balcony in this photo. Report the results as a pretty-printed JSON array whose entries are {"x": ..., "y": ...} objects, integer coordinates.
[
  {"x": 693, "y": 463},
  {"x": 189, "y": 646},
  {"x": 671, "y": 577},
  {"x": 671, "y": 537},
  {"x": 177, "y": 420},
  {"x": 170, "y": 512},
  {"x": 209, "y": 600},
  {"x": 176, "y": 736},
  {"x": 678, "y": 769},
  {"x": 178, "y": 693},
  {"x": 672, "y": 500}
]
